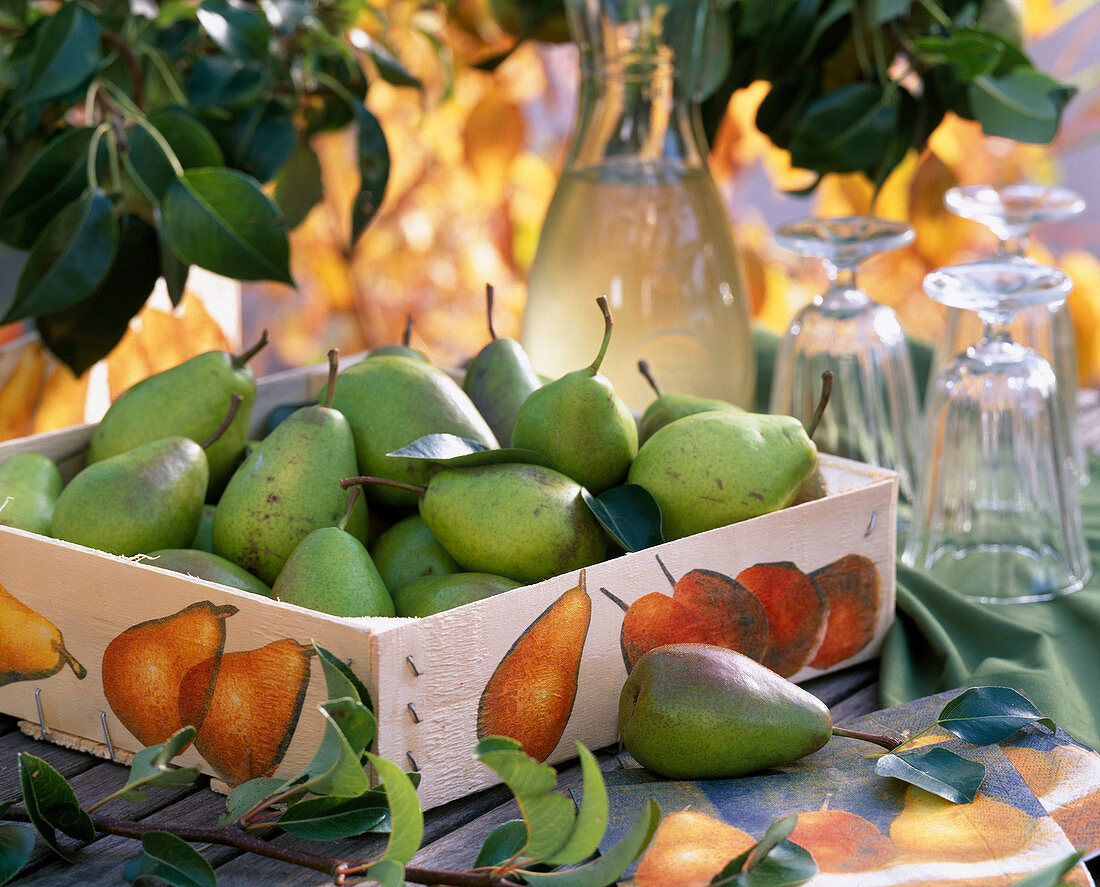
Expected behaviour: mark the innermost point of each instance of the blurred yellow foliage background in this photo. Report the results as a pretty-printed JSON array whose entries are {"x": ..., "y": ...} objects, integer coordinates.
[{"x": 474, "y": 164}]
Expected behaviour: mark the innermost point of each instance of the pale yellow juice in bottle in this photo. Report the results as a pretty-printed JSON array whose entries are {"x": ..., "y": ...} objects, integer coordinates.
[{"x": 657, "y": 243}]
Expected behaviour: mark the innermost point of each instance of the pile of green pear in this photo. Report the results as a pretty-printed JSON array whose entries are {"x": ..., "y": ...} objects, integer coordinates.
[{"x": 327, "y": 508}]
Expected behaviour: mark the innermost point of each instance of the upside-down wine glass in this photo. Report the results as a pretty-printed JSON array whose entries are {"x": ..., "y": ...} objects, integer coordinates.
[
  {"x": 997, "y": 514},
  {"x": 873, "y": 414}
]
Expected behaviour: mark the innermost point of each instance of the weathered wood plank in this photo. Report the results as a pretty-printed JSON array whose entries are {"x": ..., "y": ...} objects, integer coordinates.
[{"x": 64, "y": 760}]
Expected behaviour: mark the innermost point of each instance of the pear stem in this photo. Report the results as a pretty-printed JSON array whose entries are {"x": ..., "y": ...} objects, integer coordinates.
[
  {"x": 384, "y": 482},
  {"x": 353, "y": 497},
  {"x": 602, "y": 302},
  {"x": 887, "y": 742},
  {"x": 622, "y": 604},
  {"x": 407, "y": 335},
  {"x": 235, "y": 401},
  {"x": 643, "y": 368},
  {"x": 826, "y": 391},
  {"x": 79, "y": 670},
  {"x": 664, "y": 569},
  {"x": 333, "y": 367},
  {"x": 244, "y": 357},
  {"x": 489, "y": 309}
]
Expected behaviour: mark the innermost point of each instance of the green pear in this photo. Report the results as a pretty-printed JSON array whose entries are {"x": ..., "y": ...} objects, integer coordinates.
[
  {"x": 141, "y": 500},
  {"x": 402, "y": 348},
  {"x": 700, "y": 711},
  {"x": 390, "y": 402},
  {"x": 205, "y": 565},
  {"x": 668, "y": 408},
  {"x": 288, "y": 486},
  {"x": 409, "y": 550},
  {"x": 499, "y": 379},
  {"x": 429, "y": 595},
  {"x": 204, "y": 535},
  {"x": 188, "y": 400},
  {"x": 578, "y": 422},
  {"x": 331, "y": 571},
  {"x": 524, "y": 522},
  {"x": 716, "y": 468},
  {"x": 29, "y": 486}
]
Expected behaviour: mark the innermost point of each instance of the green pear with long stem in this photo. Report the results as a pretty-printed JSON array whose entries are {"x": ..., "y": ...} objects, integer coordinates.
[
  {"x": 674, "y": 405},
  {"x": 499, "y": 379},
  {"x": 144, "y": 499},
  {"x": 288, "y": 486},
  {"x": 29, "y": 486},
  {"x": 580, "y": 425},
  {"x": 187, "y": 400},
  {"x": 330, "y": 571},
  {"x": 524, "y": 522},
  {"x": 402, "y": 348}
]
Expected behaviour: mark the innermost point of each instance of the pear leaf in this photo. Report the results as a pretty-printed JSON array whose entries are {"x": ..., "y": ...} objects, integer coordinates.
[
  {"x": 247, "y": 795},
  {"x": 153, "y": 766},
  {"x": 16, "y": 847},
  {"x": 453, "y": 451},
  {"x": 504, "y": 842},
  {"x": 66, "y": 53},
  {"x": 591, "y": 821},
  {"x": 606, "y": 868},
  {"x": 630, "y": 515},
  {"x": 331, "y": 819},
  {"x": 336, "y": 769},
  {"x": 52, "y": 805},
  {"x": 986, "y": 715},
  {"x": 171, "y": 859},
  {"x": 340, "y": 680},
  {"x": 407, "y": 829},
  {"x": 549, "y": 816},
  {"x": 1051, "y": 875},
  {"x": 786, "y": 864},
  {"x": 777, "y": 833},
  {"x": 936, "y": 770},
  {"x": 374, "y": 171}
]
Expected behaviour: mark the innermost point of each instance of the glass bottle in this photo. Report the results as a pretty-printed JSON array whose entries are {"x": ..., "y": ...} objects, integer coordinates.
[{"x": 636, "y": 216}]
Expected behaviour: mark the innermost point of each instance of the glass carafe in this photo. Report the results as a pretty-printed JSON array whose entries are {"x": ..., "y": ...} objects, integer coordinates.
[{"x": 637, "y": 217}]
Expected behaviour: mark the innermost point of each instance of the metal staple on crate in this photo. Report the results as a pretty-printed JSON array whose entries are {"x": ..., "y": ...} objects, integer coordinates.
[
  {"x": 107, "y": 736},
  {"x": 412, "y": 760},
  {"x": 871, "y": 526},
  {"x": 412, "y": 665},
  {"x": 41, "y": 718},
  {"x": 415, "y": 716}
]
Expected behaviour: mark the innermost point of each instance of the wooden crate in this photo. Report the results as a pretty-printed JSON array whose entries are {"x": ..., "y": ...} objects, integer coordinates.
[{"x": 430, "y": 679}]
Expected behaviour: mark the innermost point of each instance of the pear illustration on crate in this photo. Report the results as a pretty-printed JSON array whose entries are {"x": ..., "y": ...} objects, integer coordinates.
[
  {"x": 31, "y": 647},
  {"x": 246, "y": 705},
  {"x": 530, "y": 695},
  {"x": 852, "y": 587},
  {"x": 144, "y": 666},
  {"x": 797, "y": 613}
]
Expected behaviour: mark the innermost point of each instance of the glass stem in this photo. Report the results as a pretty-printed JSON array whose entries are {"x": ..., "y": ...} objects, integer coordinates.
[{"x": 1013, "y": 245}]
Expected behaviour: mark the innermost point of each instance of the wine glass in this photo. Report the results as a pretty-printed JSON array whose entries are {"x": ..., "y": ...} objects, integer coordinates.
[
  {"x": 1011, "y": 212},
  {"x": 997, "y": 514},
  {"x": 873, "y": 415}
]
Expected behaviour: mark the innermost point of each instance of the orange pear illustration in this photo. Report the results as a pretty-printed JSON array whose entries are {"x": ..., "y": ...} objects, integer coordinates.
[
  {"x": 851, "y": 585},
  {"x": 246, "y": 705},
  {"x": 31, "y": 647},
  {"x": 530, "y": 695},
  {"x": 145, "y": 664}
]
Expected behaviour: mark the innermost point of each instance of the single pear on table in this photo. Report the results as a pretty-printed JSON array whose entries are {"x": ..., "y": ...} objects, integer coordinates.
[
  {"x": 699, "y": 711},
  {"x": 580, "y": 425},
  {"x": 409, "y": 550},
  {"x": 330, "y": 571},
  {"x": 669, "y": 407},
  {"x": 187, "y": 400},
  {"x": 31, "y": 646},
  {"x": 29, "y": 486},
  {"x": 499, "y": 379},
  {"x": 287, "y": 487},
  {"x": 530, "y": 695},
  {"x": 144, "y": 666},
  {"x": 521, "y": 521},
  {"x": 246, "y": 705}
]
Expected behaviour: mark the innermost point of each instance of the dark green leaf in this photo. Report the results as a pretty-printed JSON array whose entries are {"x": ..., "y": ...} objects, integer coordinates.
[
  {"x": 407, "y": 829},
  {"x": 221, "y": 220},
  {"x": 968, "y": 55},
  {"x": 879, "y": 12},
  {"x": 607, "y": 868},
  {"x": 504, "y": 842},
  {"x": 336, "y": 769},
  {"x": 16, "y": 847},
  {"x": 782, "y": 110},
  {"x": 389, "y": 68},
  {"x": 330, "y": 819},
  {"x": 172, "y": 860},
  {"x": 937, "y": 770},
  {"x": 153, "y": 766},
  {"x": 717, "y": 48},
  {"x": 172, "y": 269},
  {"x": 454, "y": 451},
  {"x": 374, "y": 171},
  {"x": 777, "y": 833},
  {"x": 846, "y": 130},
  {"x": 56, "y": 177},
  {"x": 191, "y": 142},
  {"x": 65, "y": 54},
  {"x": 247, "y": 795},
  {"x": 69, "y": 260},
  {"x": 630, "y": 515},
  {"x": 239, "y": 32},
  {"x": 985, "y": 715},
  {"x": 258, "y": 142},
  {"x": 1051, "y": 875},
  {"x": 298, "y": 186},
  {"x": 341, "y": 682},
  {"x": 89, "y": 330},
  {"x": 220, "y": 83},
  {"x": 51, "y": 805},
  {"x": 786, "y": 865},
  {"x": 1024, "y": 105}
]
